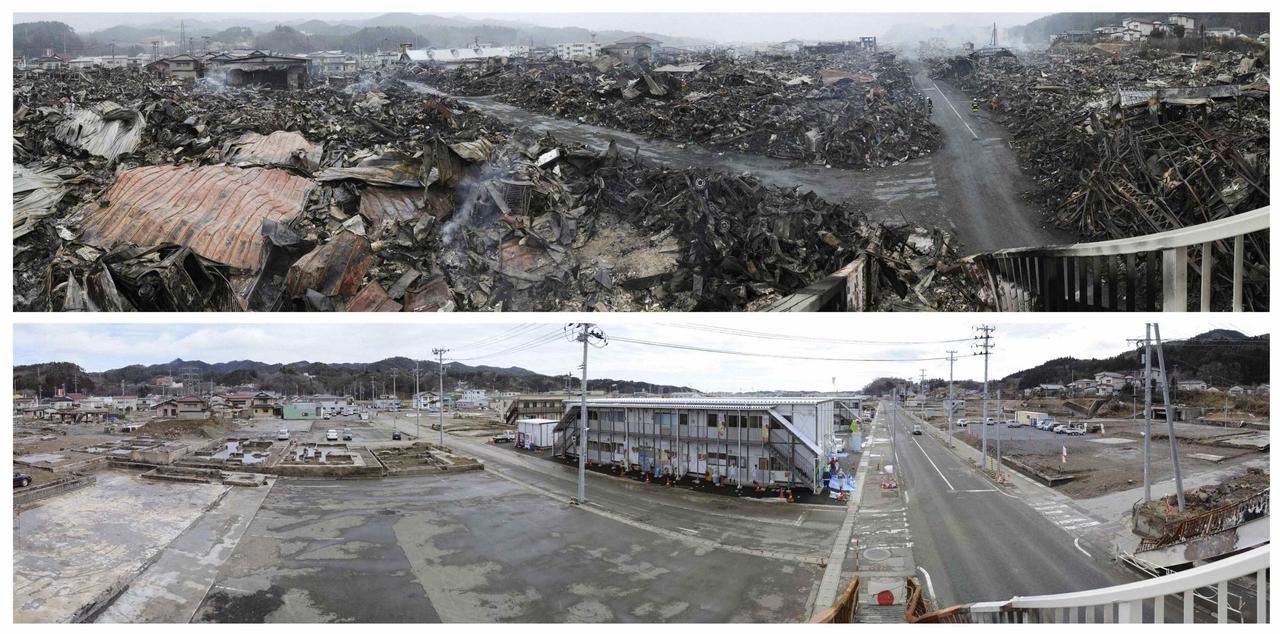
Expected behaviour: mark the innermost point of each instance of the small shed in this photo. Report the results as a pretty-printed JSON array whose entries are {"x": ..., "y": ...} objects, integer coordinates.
[{"x": 535, "y": 433}]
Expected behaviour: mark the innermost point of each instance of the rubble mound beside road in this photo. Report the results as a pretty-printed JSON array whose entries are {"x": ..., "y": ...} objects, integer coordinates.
[{"x": 854, "y": 110}]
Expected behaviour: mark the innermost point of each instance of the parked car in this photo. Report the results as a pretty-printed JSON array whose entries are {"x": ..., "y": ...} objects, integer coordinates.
[
  {"x": 915, "y": 430},
  {"x": 332, "y": 435},
  {"x": 505, "y": 436},
  {"x": 1012, "y": 423},
  {"x": 960, "y": 422},
  {"x": 346, "y": 433},
  {"x": 21, "y": 479},
  {"x": 283, "y": 434},
  {"x": 1061, "y": 429},
  {"x": 991, "y": 421},
  {"x": 395, "y": 435},
  {"x": 1075, "y": 431}
]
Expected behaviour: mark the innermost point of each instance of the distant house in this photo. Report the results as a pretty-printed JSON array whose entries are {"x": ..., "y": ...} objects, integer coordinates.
[
  {"x": 1142, "y": 26},
  {"x": 1185, "y": 21},
  {"x": 1110, "y": 382},
  {"x": 473, "y": 399},
  {"x": 301, "y": 411},
  {"x": 792, "y": 46},
  {"x": 165, "y": 409},
  {"x": 185, "y": 68},
  {"x": 1194, "y": 385},
  {"x": 478, "y": 57},
  {"x": 48, "y": 62},
  {"x": 1050, "y": 388},
  {"x": 635, "y": 49},
  {"x": 332, "y": 64},
  {"x": 192, "y": 408},
  {"x": 60, "y": 402},
  {"x": 1237, "y": 390},
  {"x": 1221, "y": 32},
  {"x": 264, "y": 405},
  {"x": 23, "y": 401}
]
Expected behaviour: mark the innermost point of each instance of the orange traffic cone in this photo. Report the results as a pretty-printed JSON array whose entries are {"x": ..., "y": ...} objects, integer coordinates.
[{"x": 790, "y": 497}]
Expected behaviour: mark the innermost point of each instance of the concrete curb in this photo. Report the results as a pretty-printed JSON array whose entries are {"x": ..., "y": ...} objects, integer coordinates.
[{"x": 829, "y": 587}]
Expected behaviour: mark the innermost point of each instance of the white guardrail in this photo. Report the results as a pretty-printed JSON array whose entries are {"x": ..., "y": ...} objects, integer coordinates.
[{"x": 1128, "y": 603}]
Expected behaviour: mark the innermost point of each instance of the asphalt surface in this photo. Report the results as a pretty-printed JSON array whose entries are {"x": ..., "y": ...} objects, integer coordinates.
[
  {"x": 980, "y": 543},
  {"x": 970, "y": 187}
]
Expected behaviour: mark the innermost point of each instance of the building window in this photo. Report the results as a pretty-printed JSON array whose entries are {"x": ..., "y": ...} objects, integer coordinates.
[
  {"x": 712, "y": 420},
  {"x": 684, "y": 419}
]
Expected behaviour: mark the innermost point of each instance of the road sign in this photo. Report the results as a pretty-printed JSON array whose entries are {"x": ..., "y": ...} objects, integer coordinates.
[{"x": 955, "y": 406}]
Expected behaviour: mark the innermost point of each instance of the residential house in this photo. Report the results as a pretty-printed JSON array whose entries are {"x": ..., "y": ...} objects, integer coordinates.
[
  {"x": 23, "y": 401},
  {"x": 48, "y": 62},
  {"x": 259, "y": 68},
  {"x": 125, "y": 404},
  {"x": 184, "y": 68},
  {"x": 333, "y": 64},
  {"x": 1237, "y": 390},
  {"x": 478, "y": 57},
  {"x": 535, "y": 406},
  {"x": 579, "y": 50},
  {"x": 1110, "y": 382},
  {"x": 1084, "y": 386},
  {"x": 1185, "y": 21},
  {"x": 1050, "y": 388},
  {"x": 634, "y": 49},
  {"x": 387, "y": 404},
  {"x": 1193, "y": 385},
  {"x": 264, "y": 405},
  {"x": 1221, "y": 32},
  {"x": 1143, "y": 26},
  {"x": 473, "y": 399},
  {"x": 192, "y": 407},
  {"x": 165, "y": 409}
]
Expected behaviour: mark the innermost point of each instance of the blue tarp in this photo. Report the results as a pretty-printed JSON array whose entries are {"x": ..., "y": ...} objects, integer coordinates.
[{"x": 841, "y": 482}]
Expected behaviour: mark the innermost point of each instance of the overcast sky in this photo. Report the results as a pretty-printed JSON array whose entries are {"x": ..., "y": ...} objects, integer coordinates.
[{"x": 1019, "y": 344}]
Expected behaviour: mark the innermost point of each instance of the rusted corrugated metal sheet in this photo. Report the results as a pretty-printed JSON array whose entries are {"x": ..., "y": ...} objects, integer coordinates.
[
  {"x": 373, "y": 299},
  {"x": 215, "y": 210},
  {"x": 280, "y": 148},
  {"x": 333, "y": 269},
  {"x": 397, "y": 204}
]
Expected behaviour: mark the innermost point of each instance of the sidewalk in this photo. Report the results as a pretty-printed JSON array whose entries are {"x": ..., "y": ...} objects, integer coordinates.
[{"x": 171, "y": 589}]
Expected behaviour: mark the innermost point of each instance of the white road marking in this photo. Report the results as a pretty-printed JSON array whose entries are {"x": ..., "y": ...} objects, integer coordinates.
[
  {"x": 935, "y": 466},
  {"x": 1086, "y": 553},
  {"x": 953, "y": 108},
  {"x": 688, "y": 530},
  {"x": 800, "y": 520},
  {"x": 928, "y": 582},
  {"x": 906, "y": 496},
  {"x": 975, "y": 490}
]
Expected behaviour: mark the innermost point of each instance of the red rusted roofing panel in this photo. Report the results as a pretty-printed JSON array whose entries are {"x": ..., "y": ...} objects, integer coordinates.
[
  {"x": 335, "y": 268},
  {"x": 215, "y": 210},
  {"x": 373, "y": 299}
]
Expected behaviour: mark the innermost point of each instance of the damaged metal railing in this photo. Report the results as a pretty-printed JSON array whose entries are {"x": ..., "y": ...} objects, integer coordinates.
[
  {"x": 1139, "y": 602},
  {"x": 1121, "y": 275},
  {"x": 1212, "y": 522},
  {"x": 845, "y": 608}
]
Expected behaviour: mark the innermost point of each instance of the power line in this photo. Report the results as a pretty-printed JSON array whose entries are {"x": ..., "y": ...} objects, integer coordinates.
[
  {"x": 681, "y": 346},
  {"x": 515, "y": 331},
  {"x": 782, "y": 337},
  {"x": 537, "y": 341}
]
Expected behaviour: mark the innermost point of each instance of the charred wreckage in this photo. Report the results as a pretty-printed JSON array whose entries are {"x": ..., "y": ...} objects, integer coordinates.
[{"x": 137, "y": 194}]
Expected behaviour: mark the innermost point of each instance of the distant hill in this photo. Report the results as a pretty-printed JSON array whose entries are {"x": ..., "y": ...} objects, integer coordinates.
[
  {"x": 308, "y": 377},
  {"x": 384, "y": 31},
  {"x": 1221, "y": 358},
  {"x": 1038, "y": 31}
]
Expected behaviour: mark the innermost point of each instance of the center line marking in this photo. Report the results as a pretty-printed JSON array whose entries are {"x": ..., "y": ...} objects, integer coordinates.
[{"x": 953, "y": 108}]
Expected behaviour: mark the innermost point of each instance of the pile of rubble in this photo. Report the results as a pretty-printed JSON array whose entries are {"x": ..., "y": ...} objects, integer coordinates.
[
  {"x": 846, "y": 111},
  {"x": 1135, "y": 142},
  {"x": 159, "y": 197}
]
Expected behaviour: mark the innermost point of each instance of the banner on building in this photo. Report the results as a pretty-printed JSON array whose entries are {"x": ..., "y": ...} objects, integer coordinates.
[{"x": 764, "y": 431}]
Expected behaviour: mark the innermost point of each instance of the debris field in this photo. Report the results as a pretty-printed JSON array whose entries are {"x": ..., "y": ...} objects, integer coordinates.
[{"x": 134, "y": 194}]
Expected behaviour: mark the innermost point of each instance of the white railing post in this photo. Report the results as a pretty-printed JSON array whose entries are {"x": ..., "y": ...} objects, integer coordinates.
[
  {"x": 1222, "y": 601},
  {"x": 1206, "y": 276},
  {"x": 1173, "y": 271},
  {"x": 1262, "y": 596},
  {"x": 1189, "y": 606},
  {"x": 1237, "y": 275},
  {"x": 1158, "y": 610}
]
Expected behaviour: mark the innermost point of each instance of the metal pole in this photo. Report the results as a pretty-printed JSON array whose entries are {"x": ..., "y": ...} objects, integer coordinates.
[
  {"x": 582, "y": 421},
  {"x": 1168, "y": 415},
  {"x": 999, "y": 424},
  {"x": 440, "y": 364},
  {"x": 417, "y": 404},
  {"x": 985, "y": 339},
  {"x": 1146, "y": 414},
  {"x": 951, "y": 395}
]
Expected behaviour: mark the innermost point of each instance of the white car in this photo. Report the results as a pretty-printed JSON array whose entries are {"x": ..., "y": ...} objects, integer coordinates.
[
  {"x": 1012, "y": 424},
  {"x": 1075, "y": 431},
  {"x": 962, "y": 423},
  {"x": 332, "y": 435},
  {"x": 283, "y": 434}
]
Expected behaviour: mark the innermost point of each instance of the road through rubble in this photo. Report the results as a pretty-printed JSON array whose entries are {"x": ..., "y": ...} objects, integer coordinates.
[{"x": 975, "y": 195}]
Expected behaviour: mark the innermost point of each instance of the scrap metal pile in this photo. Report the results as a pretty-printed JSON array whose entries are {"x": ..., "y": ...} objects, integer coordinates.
[
  {"x": 1131, "y": 143},
  {"x": 136, "y": 195},
  {"x": 846, "y": 111}
]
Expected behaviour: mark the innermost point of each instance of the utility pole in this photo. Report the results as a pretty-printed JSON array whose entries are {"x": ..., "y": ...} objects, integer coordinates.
[
  {"x": 924, "y": 403},
  {"x": 1168, "y": 415},
  {"x": 1146, "y": 415},
  {"x": 951, "y": 395},
  {"x": 999, "y": 424},
  {"x": 439, "y": 352},
  {"x": 586, "y": 333},
  {"x": 417, "y": 403},
  {"x": 983, "y": 343}
]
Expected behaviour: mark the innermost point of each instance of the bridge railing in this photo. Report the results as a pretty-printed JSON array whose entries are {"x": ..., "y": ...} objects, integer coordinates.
[
  {"x": 1146, "y": 273},
  {"x": 845, "y": 609},
  {"x": 1139, "y": 602}
]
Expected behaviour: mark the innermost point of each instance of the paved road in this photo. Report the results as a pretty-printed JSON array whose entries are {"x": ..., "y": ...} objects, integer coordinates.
[
  {"x": 978, "y": 543},
  {"x": 970, "y": 188}
]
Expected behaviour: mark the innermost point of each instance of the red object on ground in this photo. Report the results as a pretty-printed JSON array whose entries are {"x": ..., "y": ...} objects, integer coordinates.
[{"x": 884, "y": 597}]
